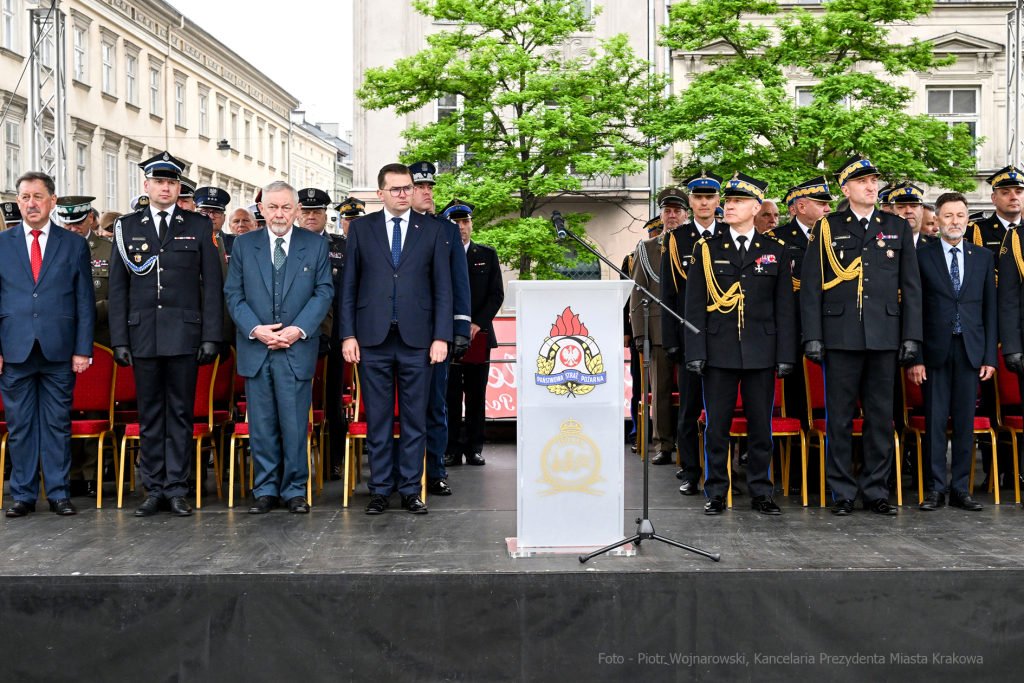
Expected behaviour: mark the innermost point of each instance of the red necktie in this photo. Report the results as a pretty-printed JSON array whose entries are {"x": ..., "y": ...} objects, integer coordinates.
[{"x": 37, "y": 254}]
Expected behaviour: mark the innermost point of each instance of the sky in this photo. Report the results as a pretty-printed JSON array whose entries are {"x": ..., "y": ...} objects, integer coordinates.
[{"x": 314, "y": 60}]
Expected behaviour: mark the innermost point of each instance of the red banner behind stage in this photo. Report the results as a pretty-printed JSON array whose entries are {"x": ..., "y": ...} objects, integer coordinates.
[{"x": 501, "y": 385}]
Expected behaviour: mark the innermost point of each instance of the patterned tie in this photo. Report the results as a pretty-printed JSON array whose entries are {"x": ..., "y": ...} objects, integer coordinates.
[
  {"x": 396, "y": 240},
  {"x": 954, "y": 273},
  {"x": 163, "y": 224},
  {"x": 37, "y": 254},
  {"x": 279, "y": 254},
  {"x": 742, "y": 239}
]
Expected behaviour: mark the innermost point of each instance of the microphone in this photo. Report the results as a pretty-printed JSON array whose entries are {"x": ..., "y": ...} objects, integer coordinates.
[{"x": 559, "y": 223}]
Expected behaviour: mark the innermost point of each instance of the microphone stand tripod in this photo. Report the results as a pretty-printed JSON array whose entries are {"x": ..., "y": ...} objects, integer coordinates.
[{"x": 644, "y": 527}]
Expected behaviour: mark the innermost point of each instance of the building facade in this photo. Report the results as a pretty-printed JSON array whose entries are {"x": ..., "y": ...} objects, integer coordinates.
[
  {"x": 142, "y": 78},
  {"x": 971, "y": 91}
]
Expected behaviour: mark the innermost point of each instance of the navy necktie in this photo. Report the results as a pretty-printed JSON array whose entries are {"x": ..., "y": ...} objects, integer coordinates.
[
  {"x": 396, "y": 252},
  {"x": 954, "y": 274},
  {"x": 396, "y": 240}
]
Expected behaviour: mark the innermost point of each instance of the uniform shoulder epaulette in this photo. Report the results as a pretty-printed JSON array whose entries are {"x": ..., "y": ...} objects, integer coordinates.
[
  {"x": 777, "y": 239},
  {"x": 487, "y": 247}
]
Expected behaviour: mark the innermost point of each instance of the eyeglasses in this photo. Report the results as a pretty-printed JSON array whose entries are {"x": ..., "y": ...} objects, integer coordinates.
[{"x": 399, "y": 191}]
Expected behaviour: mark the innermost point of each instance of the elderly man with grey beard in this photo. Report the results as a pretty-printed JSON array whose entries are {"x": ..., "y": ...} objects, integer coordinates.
[{"x": 278, "y": 291}]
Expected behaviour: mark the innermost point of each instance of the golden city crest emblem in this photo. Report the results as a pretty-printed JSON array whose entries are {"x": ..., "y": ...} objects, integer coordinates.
[{"x": 571, "y": 461}]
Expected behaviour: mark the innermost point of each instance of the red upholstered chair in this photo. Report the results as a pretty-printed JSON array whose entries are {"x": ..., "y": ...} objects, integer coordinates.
[
  {"x": 223, "y": 409},
  {"x": 321, "y": 429},
  {"x": 781, "y": 426},
  {"x": 348, "y": 397},
  {"x": 94, "y": 391},
  {"x": 814, "y": 380},
  {"x": 1008, "y": 395},
  {"x": 201, "y": 431},
  {"x": 240, "y": 433},
  {"x": 3, "y": 451},
  {"x": 126, "y": 411},
  {"x": 239, "y": 395},
  {"x": 912, "y": 399}
]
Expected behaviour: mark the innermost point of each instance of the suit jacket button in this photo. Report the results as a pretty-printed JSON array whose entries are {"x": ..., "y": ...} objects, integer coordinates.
[
  {"x": 35, "y": 315},
  {"x": 34, "y": 295}
]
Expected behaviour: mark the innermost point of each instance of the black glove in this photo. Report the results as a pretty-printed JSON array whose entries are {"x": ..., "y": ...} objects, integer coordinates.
[
  {"x": 1014, "y": 363},
  {"x": 638, "y": 343},
  {"x": 908, "y": 352},
  {"x": 324, "y": 346},
  {"x": 123, "y": 356},
  {"x": 696, "y": 367},
  {"x": 674, "y": 355},
  {"x": 815, "y": 352},
  {"x": 783, "y": 370},
  {"x": 207, "y": 353},
  {"x": 460, "y": 347}
]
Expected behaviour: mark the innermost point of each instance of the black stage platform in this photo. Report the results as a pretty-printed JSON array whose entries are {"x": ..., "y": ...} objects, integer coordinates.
[{"x": 339, "y": 596}]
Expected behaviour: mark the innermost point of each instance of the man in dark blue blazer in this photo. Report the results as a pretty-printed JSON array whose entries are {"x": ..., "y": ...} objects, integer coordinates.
[
  {"x": 396, "y": 321},
  {"x": 47, "y": 312},
  {"x": 960, "y": 345},
  {"x": 278, "y": 291}
]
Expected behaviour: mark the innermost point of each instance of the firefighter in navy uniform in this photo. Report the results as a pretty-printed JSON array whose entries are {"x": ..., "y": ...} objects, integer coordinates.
[
  {"x": 810, "y": 200},
  {"x": 677, "y": 256},
  {"x": 166, "y": 319},
  {"x": 740, "y": 298},
  {"x": 860, "y": 309},
  {"x": 212, "y": 202}
]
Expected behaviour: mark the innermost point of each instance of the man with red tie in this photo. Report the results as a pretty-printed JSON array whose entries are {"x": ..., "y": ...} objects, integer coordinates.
[{"x": 47, "y": 312}]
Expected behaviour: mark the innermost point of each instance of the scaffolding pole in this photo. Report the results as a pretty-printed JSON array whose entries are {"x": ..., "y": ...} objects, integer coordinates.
[{"x": 47, "y": 94}]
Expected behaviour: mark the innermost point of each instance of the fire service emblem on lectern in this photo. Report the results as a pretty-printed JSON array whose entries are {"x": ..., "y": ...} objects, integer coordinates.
[
  {"x": 569, "y": 361},
  {"x": 571, "y": 461}
]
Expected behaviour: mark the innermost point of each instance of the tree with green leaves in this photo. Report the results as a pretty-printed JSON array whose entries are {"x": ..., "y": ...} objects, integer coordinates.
[
  {"x": 741, "y": 115},
  {"x": 534, "y": 120}
]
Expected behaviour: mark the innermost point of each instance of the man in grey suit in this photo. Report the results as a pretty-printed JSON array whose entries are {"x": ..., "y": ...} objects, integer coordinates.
[{"x": 278, "y": 291}]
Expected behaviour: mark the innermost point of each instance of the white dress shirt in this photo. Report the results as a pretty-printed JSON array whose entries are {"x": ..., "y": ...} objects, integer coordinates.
[
  {"x": 807, "y": 231},
  {"x": 748, "y": 239},
  {"x": 29, "y": 239},
  {"x": 285, "y": 245},
  {"x": 947, "y": 251},
  {"x": 859, "y": 217},
  {"x": 390, "y": 225},
  {"x": 1005, "y": 223},
  {"x": 156, "y": 217},
  {"x": 466, "y": 247},
  {"x": 701, "y": 228}
]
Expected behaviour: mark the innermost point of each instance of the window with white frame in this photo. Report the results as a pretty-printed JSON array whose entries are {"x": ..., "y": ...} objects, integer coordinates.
[
  {"x": 956, "y": 106},
  {"x": 204, "y": 125},
  {"x": 110, "y": 181},
  {"x": 154, "y": 91},
  {"x": 134, "y": 173},
  {"x": 107, "y": 54},
  {"x": 179, "y": 104},
  {"x": 81, "y": 166},
  {"x": 446, "y": 106},
  {"x": 270, "y": 147},
  {"x": 9, "y": 28},
  {"x": 221, "y": 131},
  {"x": 805, "y": 96},
  {"x": 12, "y": 154},
  {"x": 131, "y": 79},
  {"x": 234, "y": 129},
  {"x": 248, "y": 137},
  {"x": 81, "y": 50},
  {"x": 259, "y": 143}
]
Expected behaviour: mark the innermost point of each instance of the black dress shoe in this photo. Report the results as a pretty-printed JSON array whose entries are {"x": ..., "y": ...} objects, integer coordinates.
[
  {"x": 90, "y": 488},
  {"x": 335, "y": 472},
  {"x": 881, "y": 507},
  {"x": 298, "y": 505},
  {"x": 985, "y": 484},
  {"x": 933, "y": 500},
  {"x": 150, "y": 506},
  {"x": 662, "y": 458},
  {"x": 843, "y": 507},
  {"x": 63, "y": 507},
  {"x": 378, "y": 504},
  {"x": 414, "y": 505},
  {"x": 964, "y": 501},
  {"x": 689, "y": 487},
  {"x": 179, "y": 508},
  {"x": 263, "y": 505},
  {"x": 680, "y": 474},
  {"x": 475, "y": 459},
  {"x": 450, "y": 460},
  {"x": 438, "y": 487},
  {"x": 20, "y": 509},
  {"x": 765, "y": 505},
  {"x": 715, "y": 505}
]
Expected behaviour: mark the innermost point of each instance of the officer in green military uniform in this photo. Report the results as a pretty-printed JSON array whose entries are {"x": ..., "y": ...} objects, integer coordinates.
[{"x": 77, "y": 215}]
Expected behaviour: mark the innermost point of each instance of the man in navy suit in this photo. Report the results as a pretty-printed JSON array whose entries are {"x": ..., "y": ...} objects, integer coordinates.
[
  {"x": 958, "y": 280},
  {"x": 278, "y": 291},
  {"x": 396, "y": 321},
  {"x": 47, "y": 312}
]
